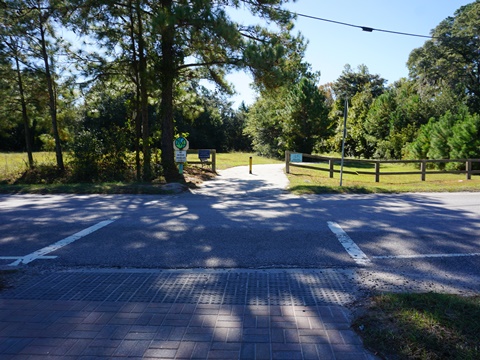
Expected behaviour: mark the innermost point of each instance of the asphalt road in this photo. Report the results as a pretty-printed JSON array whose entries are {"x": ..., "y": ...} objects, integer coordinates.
[{"x": 428, "y": 241}]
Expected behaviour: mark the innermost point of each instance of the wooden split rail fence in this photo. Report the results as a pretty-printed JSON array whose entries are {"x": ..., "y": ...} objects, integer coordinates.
[{"x": 377, "y": 164}]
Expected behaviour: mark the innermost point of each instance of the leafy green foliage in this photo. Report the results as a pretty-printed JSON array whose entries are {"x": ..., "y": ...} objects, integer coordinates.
[
  {"x": 86, "y": 155},
  {"x": 352, "y": 82},
  {"x": 293, "y": 117},
  {"x": 214, "y": 125},
  {"x": 360, "y": 88},
  {"x": 393, "y": 119},
  {"x": 465, "y": 140},
  {"x": 451, "y": 59},
  {"x": 307, "y": 120},
  {"x": 264, "y": 125},
  {"x": 101, "y": 157},
  {"x": 452, "y": 136},
  {"x": 141, "y": 84}
]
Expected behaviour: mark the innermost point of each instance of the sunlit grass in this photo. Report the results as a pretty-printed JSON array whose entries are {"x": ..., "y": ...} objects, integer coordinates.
[
  {"x": 309, "y": 181},
  {"x": 13, "y": 164},
  {"x": 302, "y": 181},
  {"x": 422, "y": 326},
  {"x": 228, "y": 160}
]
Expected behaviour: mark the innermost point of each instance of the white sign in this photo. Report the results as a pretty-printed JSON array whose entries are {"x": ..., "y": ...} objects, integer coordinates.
[
  {"x": 296, "y": 157},
  {"x": 180, "y": 156}
]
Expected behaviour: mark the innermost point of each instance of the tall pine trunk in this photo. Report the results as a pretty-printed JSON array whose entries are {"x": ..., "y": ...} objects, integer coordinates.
[
  {"x": 167, "y": 78},
  {"x": 142, "y": 62},
  {"x": 137, "y": 112},
  {"x": 51, "y": 97},
  {"x": 26, "y": 120}
]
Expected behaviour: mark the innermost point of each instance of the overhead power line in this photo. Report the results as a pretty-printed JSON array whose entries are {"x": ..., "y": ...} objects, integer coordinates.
[{"x": 364, "y": 28}]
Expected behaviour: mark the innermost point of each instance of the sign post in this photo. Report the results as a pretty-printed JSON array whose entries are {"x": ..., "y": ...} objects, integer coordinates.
[
  {"x": 345, "y": 114},
  {"x": 180, "y": 145}
]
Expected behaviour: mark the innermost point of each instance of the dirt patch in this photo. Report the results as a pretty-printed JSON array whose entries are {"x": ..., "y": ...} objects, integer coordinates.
[{"x": 195, "y": 175}]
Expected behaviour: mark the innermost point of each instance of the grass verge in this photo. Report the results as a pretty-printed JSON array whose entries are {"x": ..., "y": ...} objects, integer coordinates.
[
  {"x": 309, "y": 181},
  {"x": 302, "y": 181},
  {"x": 421, "y": 326},
  {"x": 15, "y": 178},
  {"x": 228, "y": 160},
  {"x": 7, "y": 278},
  {"x": 84, "y": 188}
]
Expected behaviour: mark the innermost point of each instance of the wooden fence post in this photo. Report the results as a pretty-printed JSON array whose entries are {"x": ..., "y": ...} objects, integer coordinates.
[
  {"x": 287, "y": 162},
  {"x": 423, "y": 168},
  {"x": 377, "y": 172},
  {"x": 330, "y": 165},
  {"x": 468, "y": 167},
  {"x": 214, "y": 160}
]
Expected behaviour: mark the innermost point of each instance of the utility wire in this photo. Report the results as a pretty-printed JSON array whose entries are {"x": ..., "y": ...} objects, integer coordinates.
[{"x": 364, "y": 28}]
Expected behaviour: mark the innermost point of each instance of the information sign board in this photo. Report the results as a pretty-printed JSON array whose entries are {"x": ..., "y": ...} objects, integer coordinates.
[
  {"x": 296, "y": 157},
  {"x": 203, "y": 154},
  {"x": 180, "y": 156}
]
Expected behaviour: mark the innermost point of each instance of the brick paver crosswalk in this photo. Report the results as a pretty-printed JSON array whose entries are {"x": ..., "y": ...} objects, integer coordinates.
[{"x": 38, "y": 321}]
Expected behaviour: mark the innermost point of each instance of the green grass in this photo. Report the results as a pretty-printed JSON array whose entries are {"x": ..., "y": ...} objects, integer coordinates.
[
  {"x": 84, "y": 188},
  {"x": 309, "y": 181},
  {"x": 302, "y": 181},
  {"x": 228, "y": 160},
  {"x": 13, "y": 165},
  {"x": 422, "y": 326}
]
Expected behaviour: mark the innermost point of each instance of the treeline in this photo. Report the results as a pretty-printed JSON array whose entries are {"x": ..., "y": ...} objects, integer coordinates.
[
  {"x": 432, "y": 114},
  {"x": 63, "y": 63},
  {"x": 132, "y": 81}
]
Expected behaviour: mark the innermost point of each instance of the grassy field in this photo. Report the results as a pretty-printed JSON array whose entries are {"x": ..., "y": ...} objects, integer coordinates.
[
  {"x": 309, "y": 181},
  {"x": 302, "y": 181},
  {"x": 14, "y": 164},
  {"x": 228, "y": 160}
]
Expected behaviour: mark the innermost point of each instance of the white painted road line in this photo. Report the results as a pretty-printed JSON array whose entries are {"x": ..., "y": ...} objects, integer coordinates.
[
  {"x": 59, "y": 244},
  {"x": 420, "y": 256},
  {"x": 20, "y": 257},
  {"x": 352, "y": 249}
]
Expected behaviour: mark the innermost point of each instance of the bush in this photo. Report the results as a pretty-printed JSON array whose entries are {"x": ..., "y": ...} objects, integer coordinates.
[
  {"x": 87, "y": 152},
  {"x": 102, "y": 156}
]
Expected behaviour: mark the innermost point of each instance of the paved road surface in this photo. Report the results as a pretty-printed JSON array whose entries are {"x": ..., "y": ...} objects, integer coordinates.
[
  {"x": 237, "y": 269},
  {"x": 249, "y": 221}
]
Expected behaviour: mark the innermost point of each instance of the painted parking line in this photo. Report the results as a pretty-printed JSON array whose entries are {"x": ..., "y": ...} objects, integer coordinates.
[
  {"x": 19, "y": 257},
  {"x": 421, "y": 256},
  {"x": 40, "y": 254},
  {"x": 352, "y": 249}
]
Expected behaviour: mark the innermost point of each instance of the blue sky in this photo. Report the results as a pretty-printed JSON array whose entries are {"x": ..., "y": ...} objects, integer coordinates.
[{"x": 331, "y": 46}]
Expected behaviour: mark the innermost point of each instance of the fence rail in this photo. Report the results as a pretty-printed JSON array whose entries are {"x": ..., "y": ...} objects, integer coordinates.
[{"x": 377, "y": 163}]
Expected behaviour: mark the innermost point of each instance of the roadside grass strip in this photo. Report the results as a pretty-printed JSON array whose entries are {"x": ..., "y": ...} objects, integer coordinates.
[
  {"x": 40, "y": 254},
  {"x": 352, "y": 249},
  {"x": 422, "y": 256}
]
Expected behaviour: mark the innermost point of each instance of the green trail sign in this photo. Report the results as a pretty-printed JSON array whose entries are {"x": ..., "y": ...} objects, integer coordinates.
[{"x": 180, "y": 143}]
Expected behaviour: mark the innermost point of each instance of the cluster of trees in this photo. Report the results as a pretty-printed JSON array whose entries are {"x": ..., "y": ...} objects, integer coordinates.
[
  {"x": 432, "y": 114},
  {"x": 141, "y": 83},
  {"x": 151, "y": 54}
]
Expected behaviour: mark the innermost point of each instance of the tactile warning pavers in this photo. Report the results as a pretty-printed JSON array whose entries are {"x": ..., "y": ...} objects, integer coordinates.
[{"x": 228, "y": 287}]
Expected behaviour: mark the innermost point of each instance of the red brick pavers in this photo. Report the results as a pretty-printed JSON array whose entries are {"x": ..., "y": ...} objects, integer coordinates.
[{"x": 49, "y": 329}]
